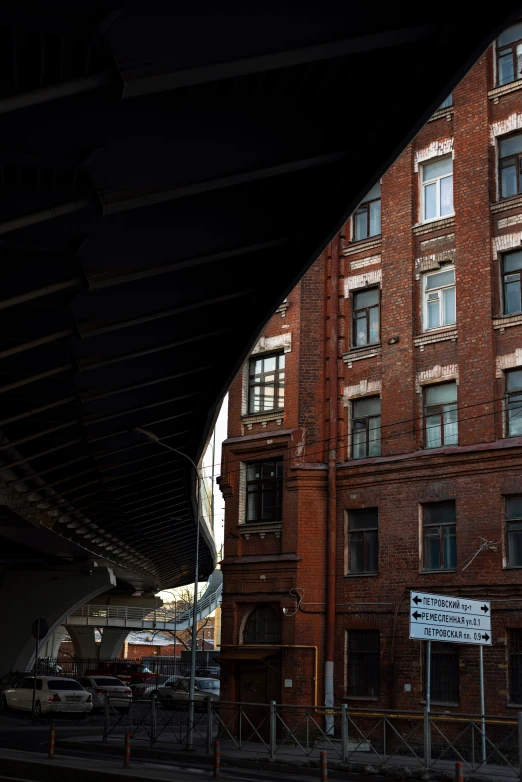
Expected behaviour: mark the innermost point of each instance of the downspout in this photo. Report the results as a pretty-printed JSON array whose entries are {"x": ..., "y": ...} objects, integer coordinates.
[{"x": 331, "y": 524}]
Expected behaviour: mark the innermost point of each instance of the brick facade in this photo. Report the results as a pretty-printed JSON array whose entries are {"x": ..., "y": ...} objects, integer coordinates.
[{"x": 263, "y": 562}]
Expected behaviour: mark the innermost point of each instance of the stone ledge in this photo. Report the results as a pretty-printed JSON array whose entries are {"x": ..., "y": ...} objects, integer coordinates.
[
  {"x": 262, "y": 529},
  {"x": 262, "y": 418},
  {"x": 497, "y": 92},
  {"x": 507, "y": 203},
  {"x": 361, "y": 247},
  {"x": 434, "y": 225},
  {"x": 439, "y": 336},
  {"x": 283, "y": 308},
  {"x": 505, "y": 321},
  {"x": 359, "y": 355}
]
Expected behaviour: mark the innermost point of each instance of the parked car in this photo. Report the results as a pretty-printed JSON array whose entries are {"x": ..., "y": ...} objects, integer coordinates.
[
  {"x": 99, "y": 686},
  {"x": 149, "y": 688},
  {"x": 52, "y": 694},
  {"x": 176, "y": 693},
  {"x": 9, "y": 680},
  {"x": 128, "y": 673}
]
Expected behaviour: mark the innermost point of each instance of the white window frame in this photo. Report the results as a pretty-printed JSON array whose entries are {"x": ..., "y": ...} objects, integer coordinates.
[
  {"x": 437, "y": 181},
  {"x": 425, "y": 293}
]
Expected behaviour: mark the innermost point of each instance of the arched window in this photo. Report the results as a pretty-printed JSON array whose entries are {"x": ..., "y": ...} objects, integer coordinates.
[{"x": 263, "y": 626}]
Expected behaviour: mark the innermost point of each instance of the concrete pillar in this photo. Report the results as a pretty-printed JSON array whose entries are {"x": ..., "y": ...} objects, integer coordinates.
[
  {"x": 82, "y": 638},
  {"x": 51, "y": 645},
  {"x": 113, "y": 639},
  {"x": 26, "y": 595}
]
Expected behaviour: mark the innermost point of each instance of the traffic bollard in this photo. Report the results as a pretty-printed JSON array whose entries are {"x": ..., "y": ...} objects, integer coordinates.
[
  {"x": 126, "y": 757},
  {"x": 459, "y": 776},
  {"x": 217, "y": 759},
  {"x": 51, "y": 743},
  {"x": 324, "y": 766}
]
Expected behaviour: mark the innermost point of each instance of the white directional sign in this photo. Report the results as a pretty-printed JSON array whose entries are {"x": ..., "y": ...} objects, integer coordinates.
[{"x": 451, "y": 619}]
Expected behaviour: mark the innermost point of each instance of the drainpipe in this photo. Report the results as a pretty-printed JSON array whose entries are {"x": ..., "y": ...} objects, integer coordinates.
[{"x": 331, "y": 536}]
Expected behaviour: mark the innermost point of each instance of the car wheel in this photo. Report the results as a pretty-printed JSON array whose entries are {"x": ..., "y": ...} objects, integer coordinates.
[
  {"x": 38, "y": 710},
  {"x": 3, "y": 703}
]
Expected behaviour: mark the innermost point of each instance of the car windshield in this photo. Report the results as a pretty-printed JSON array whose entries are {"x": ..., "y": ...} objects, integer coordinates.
[
  {"x": 64, "y": 684},
  {"x": 107, "y": 681},
  {"x": 209, "y": 684}
]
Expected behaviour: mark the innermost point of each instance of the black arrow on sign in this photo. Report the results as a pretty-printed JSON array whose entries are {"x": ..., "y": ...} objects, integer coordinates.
[
  {"x": 416, "y": 615},
  {"x": 484, "y": 608},
  {"x": 485, "y": 637},
  {"x": 417, "y": 600}
]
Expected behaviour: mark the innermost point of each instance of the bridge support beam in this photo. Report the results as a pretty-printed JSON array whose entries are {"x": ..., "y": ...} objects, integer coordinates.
[
  {"x": 83, "y": 640},
  {"x": 26, "y": 595},
  {"x": 113, "y": 639}
]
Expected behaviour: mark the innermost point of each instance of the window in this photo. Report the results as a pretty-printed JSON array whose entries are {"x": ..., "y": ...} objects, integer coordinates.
[
  {"x": 515, "y": 665},
  {"x": 363, "y": 540},
  {"x": 366, "y": 427},
  {"x": 510, "y": 153},
  {"x": 263, "y": 626},
  {"x": 447, "y": 102},
  {"x": 365, "y": 316},
  {"x": 514, "y": 402},
  {"x": 514, "y": 531},
  {"x": 439, "y": 299},
  {"x": 441, "y": 415},
  {"x": 265, "y": 490},
  {"x": 364, "y": 663},
  {"x": 440, "y": 536},
  {"x": 509, "y": 55},
  {"x": 444, "y": 672},
  {"x": 511, "y": 270},
  {"x": 266, "y": 383},
  {"x": 437, "y": 189},
  {"x": 367, "y": 216}
]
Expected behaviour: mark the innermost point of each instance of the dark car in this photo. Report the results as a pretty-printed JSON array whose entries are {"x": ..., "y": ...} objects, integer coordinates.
[{"x": 129, "y": 673}]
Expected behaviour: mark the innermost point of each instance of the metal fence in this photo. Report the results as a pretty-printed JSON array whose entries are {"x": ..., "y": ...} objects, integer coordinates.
[
  {"x": 355, "y": 739},
  {"x": 162, "y": 667}
]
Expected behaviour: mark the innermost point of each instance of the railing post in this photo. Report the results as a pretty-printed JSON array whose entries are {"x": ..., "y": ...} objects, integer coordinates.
[
  {"x": 272, "y": 730},
  {"x": 324, "y": 766},
  {"x": 217, "y": 759},
  {"x": 459, "y": 776},
  {"x": 153, "y": 719},
  {"x": 344, "y": 732},
  {"x": 427, "y": 738},
  {"x": 209, "y": 726},
  {"x": 519, "y": 717},
  {"x": 107, "y": 717}
]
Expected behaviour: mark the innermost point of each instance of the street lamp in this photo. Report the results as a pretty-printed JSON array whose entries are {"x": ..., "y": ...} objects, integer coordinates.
[{"x": 192, "y": 681}]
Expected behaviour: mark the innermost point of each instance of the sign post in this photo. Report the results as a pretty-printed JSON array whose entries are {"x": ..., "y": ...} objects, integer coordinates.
[
  {"x": 39, "y": 630},
  {"x": 456, "y": 620}
]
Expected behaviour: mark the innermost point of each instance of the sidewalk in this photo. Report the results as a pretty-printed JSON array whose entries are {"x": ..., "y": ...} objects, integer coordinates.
[{"x": 287, "y": 758}]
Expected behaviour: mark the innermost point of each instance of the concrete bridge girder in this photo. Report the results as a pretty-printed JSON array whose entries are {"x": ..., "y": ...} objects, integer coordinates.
[{"x": 47, "y": 594}]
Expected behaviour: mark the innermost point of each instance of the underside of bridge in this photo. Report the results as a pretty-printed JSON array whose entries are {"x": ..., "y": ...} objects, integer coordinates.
[{"x": 165, "y": 179}]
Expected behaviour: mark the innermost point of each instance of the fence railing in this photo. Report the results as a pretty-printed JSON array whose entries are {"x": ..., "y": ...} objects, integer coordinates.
[
  {"x": 160, "y": 668},
  {"x": 355, "y": 737}
]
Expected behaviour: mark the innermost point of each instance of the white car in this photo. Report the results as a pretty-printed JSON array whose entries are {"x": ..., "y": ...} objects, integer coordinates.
[
  {"x": 53, "y": 693},
  {"x": 99, "y": 686},
  {"x": 176, "y": 693}
]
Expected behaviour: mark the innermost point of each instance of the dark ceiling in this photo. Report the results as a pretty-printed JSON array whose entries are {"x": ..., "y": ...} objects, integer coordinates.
[{"x": 165, "y": 179}]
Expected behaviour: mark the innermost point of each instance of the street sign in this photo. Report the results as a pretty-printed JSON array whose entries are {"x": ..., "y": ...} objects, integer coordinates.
[
  {"x": 450, "y": 619},
  {"x": 39, "y": 629}
]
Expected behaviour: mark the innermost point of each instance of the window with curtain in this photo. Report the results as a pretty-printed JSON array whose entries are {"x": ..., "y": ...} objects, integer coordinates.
[
  {"x": 366, "y": 427},
  {"x": 509, "y": 55},
  {"x": 514, "y": 531},
  {"x": 510, "y": 174},
  {"x": 439, "y": 536},
  {"x": 441, "y": 415},
  {"x": 363, "y": 540},
  {"x": 514, "y": 403},
  {"x": 365, "y": 316},
  {"x": 367, "y": 216},
  {"x": 437, "y": 189},
  {"x": 439, "y": 299},
  {"x": 263, "y": 626}
]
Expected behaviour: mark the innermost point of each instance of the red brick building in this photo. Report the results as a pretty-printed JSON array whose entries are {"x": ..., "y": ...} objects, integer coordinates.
[{"x": 375, "y": 434}]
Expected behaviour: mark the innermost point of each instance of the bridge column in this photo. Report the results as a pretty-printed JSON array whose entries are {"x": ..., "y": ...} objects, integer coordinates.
[
  {"x": 113, "y": 639},
  {"x": 83, "y": 640},
  {"x": 52, "y": 644},
  {"x": 26, "y": 595}
]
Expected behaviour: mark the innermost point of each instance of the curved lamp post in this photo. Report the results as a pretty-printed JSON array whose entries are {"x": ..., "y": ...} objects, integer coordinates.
[{"x": 192, "y": 681}]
